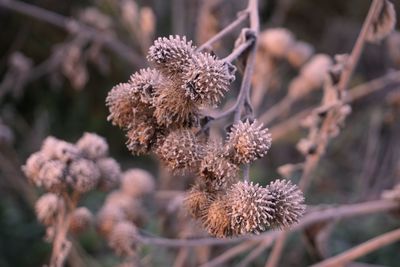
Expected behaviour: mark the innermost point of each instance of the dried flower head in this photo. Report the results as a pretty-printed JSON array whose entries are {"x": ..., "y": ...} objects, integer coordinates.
[
  {"x": 277, "y": 41},
  {"x": 141, "y": 137},
  {"x": 107, "y": 218},
  {"x": 299, "y": 53},
  {"x": 251, "y": 210},
  {"x": 110, "y": 173},
  {"x": 137, "y": 183},
  {"x": 145, "y": 83},
  {"x": 216, "y": 171},
  {"x": 171, "y": 55},
  {"x": 60, "y": 150},
  {"x": 123, "y": 238},
  {"x": 384, "y": 24},
  {"x": 206, "y": 79},
  {"x": 83, "y": 175},
  {"x": 131, "y": 207},
  {"x": 247, "y": 142},
  {"x": 173, "y": 108},
  {"x": 217, "y": 220},
  {"x": 51, "y": 175},
  {"x": 287, "y": 202},
  {"x": 47, "y": 208},
  {"x": 33, "y": 165},
  {"x": 81, "y": 219},
  {"x": 48, "y": 146},
  {"x": 180, "y": 151},
  {"x": 197, "y": 201},
  {"x": 92, "y": 146}
]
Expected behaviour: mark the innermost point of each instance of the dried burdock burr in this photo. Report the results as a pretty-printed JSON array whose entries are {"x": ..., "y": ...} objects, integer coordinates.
[
  {"x": 137, "y": 183},
  {"x": 145, "y": 83},
  {"x": 180, "y": 151},
  {"x": 92, "y": 146},
  {"x": 206, "y": 79},
  {"x": 52, "y": 175},
  {"x": 217, "y": 219},
  {"x": 107, "y": 218},
  {"x": 83, "y": 175},
  {"x": 120, "y": 104},
  {"x": 251, "y": 208},
  {"x": 173, "y": 108},
  {"x": 247, "y": 142},
  {"x": 141, "y": 137},
  {"x": 216, "y": 171},
  {"x": 277, "y": 41},
  {"x": 33, "y": 166},
  {"x": 81, "y": 219},
  {"x": 171, "y": 55},
  {"x": 110, "y": 173},
  {"x": 287, "y": 203},
  {"x": 197, "y": 201},
  {"x": 47, "y": 208},
  {"x": 123, "y": 238}
]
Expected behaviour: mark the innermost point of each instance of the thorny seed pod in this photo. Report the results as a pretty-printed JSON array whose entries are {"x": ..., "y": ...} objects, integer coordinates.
[
  {"x": 173, "y": 108},
  {"x": 171, "y": 55},
  {"x": 277, "y": 41},
  {"x": 123, "y": 237},
  {"x": 51, "y": 175},
  {"x": 81, "y": 219},
  {"x": 180, "y": 151},
  {"x": 92, "y": 146},
  {"x": 141, "y": 137},
  {"x": 110, "y": 173},
  {"x": 197, "y": 201},
  {"x": 247, "y": 142},
  {"x": 137, "y": 183},
  {"x": 287, "y": 202},
  {"x": 217, "y": 172},
  {"x": 47, "y": 208},
  {"x": 33, "y": 165},
  {"x": 107, "y": 218},
  {"x": 251, "y": 208},
  {"x": 83, "y": 175},
  {"x": 384, "y": 24},
  {"x": 206, "y": 79},
  {"x": 145, "y": 83},
  {"x": 217, "y": 220}
]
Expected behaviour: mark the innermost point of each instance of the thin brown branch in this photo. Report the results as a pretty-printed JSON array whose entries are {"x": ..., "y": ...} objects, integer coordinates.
[
  {"x": 74, "y": 27},
  {"x": 359, "y": 45},
  {"x": 361, "y": 250},
  {"x": 238, "y": 51},
  {"x": 229, "y": 28}
]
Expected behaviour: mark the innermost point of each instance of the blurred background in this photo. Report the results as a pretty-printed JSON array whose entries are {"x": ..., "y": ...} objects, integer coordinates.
[{"x": 55, "y": 75}]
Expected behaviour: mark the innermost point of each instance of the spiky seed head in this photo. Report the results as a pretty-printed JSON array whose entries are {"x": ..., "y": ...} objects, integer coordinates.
[
  {"x": 217, "y": 220},
  {"x": 299, "y": 53},
  {"x": 217, "y": 172},
  {"x": 171, "y": 55},
  {"x": 145, "y": 83},
  {"x": 59, "y": 149},
  {"x": 110, "y": 173},
  {"x": 173, "y": 109},
  {"x": 137, "y": 183},
  {"x": 384, "y": 24},
  {"x": 251, "y": 210},
  {"x": 197, "y": 201},
  {"x": 287, "y": 202},
  {"x": 92, "y": 146},
  {"x": 81, "y": 219},
  {"x": 206, "y": 79},
  {"x": 247, "y": 142},
  {"x": 33, "y": 165},
  {"x": 52, "y": 175},
  {"x": 123, "y": 238},
  {"x": 141, "y": 137},
  {"x": 47, "y": 208},
  {"x": 277, "y": 41},
  {"x": 181, "y": 151},
  {"x": 83, "y": 175},
  {"x": 107, "y": 218}
]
